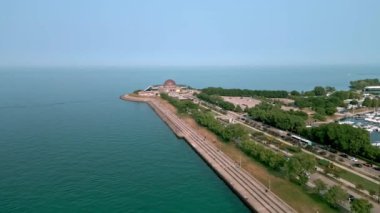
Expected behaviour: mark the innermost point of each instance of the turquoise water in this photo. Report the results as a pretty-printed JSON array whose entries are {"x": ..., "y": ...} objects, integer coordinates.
[{"x": 68, "y": 144}]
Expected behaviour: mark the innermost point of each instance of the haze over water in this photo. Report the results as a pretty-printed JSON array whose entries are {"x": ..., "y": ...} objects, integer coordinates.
[{"x": 68, "y": 143}]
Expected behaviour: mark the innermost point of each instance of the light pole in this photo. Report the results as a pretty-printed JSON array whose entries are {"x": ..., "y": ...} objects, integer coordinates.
[
  {"x": 240, "y": 161},
  {"x": 378, "y": 194}
]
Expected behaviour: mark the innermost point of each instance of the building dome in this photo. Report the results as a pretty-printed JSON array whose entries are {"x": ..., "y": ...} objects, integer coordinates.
[{"x": 169, "y": 83}]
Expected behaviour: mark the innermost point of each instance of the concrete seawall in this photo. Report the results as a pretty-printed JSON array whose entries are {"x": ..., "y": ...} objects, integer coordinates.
[{"x": 254, "y": 194}]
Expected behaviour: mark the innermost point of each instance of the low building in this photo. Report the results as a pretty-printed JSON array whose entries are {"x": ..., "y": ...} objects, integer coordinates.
[
  {"x": 169, "y": 87},
  {"x": 372, "y": 90},
  {"x": 302, "y": 140}
]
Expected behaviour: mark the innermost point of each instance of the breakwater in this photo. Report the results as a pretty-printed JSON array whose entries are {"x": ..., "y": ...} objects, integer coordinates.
[{"x": 254, "y": 194}]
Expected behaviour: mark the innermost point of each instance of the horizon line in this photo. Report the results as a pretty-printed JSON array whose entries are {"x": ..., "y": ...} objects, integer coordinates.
[{"x": 184, "y": 66}]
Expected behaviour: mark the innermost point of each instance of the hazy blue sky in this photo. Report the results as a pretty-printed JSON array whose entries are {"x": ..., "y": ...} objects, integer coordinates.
[{"x": 196, "y": 32}]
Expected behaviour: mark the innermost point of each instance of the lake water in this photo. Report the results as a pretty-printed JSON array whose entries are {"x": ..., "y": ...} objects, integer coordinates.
[{"x": 68, "y": 144}]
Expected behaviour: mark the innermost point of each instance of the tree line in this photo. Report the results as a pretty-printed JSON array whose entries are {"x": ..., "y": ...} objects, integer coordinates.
[
  {"x": 217, "y": 100},
  {"x": 354, "y": 141},
  {"x": 228, "y": 133},
  {"x": 246, "y": 92},
  {"x": 361, "y": 84},
  {"x": 325, "y": 105},
  {"x": 273, "y": 115},
  {"x": 374, "y": 102},
  {"x": 321, "y": 105},
  {"x": 317, "y": 91}
]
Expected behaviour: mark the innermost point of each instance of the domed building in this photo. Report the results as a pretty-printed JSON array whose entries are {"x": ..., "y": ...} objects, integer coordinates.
[
  {"x": 169, "y": 83},
  {"x": 169, "y": 86}
]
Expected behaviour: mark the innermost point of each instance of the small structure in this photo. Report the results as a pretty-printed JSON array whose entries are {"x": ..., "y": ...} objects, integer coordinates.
[{"x": 302, "y": 140}]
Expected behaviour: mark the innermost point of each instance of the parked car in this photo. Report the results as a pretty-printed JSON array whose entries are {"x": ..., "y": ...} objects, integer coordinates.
[
  {"x": 359, "y": 165},
  {"x": 354, "y": 159}
]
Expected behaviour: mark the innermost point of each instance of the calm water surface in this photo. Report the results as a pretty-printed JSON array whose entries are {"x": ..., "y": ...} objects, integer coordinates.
[{"x": 68, "y": 143}]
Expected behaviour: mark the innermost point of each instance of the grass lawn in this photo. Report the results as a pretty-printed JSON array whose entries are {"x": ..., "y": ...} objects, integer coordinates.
[{"x": 355, "y": 179}]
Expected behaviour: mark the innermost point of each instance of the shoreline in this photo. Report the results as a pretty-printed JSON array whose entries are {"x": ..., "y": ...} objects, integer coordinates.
[{"x": 250, "y": 191}]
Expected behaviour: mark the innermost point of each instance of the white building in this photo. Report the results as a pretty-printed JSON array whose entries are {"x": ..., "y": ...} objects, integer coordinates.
[
  {"x": 372, "y": 90},
  {"x": 169, "y": 87}
]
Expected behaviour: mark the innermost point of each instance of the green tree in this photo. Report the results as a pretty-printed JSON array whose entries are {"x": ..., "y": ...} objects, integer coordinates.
[
  {"x": 217, "y": 100},
  {"x": 345, "y": 138},
  {"x": 234, "y": 132},
  {"x": 238, "y": 109},
  {"x": 354, "y": 102},
  {"x": 375, "y": 102},
  {"x": 330, "y": 89},
  {"x": 299, "y": 167},
  {"x": 319, "y": 117},
  {"x": 367, "y": 102},
  {"x": 342, "y": 95},
  {"x": 361, "y": 206},
  {"x": 332, "y": 169},
  {"x": 319, "y": 91},
  {"x": 320, "y": 186},
  {"x": 273, "y": 115},
  {"x": 320, "y": 104},
  {"x": 335, "y": 195},
  {"x": 295, "y": 93},
  {"x": 262, "y": 154},
  {"x": 309, "y": 93},
  {"x": 330, "y": 110}
]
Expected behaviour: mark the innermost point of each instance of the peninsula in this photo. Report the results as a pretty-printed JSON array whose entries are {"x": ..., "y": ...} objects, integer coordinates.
[{"x": 240, "y": 117}]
